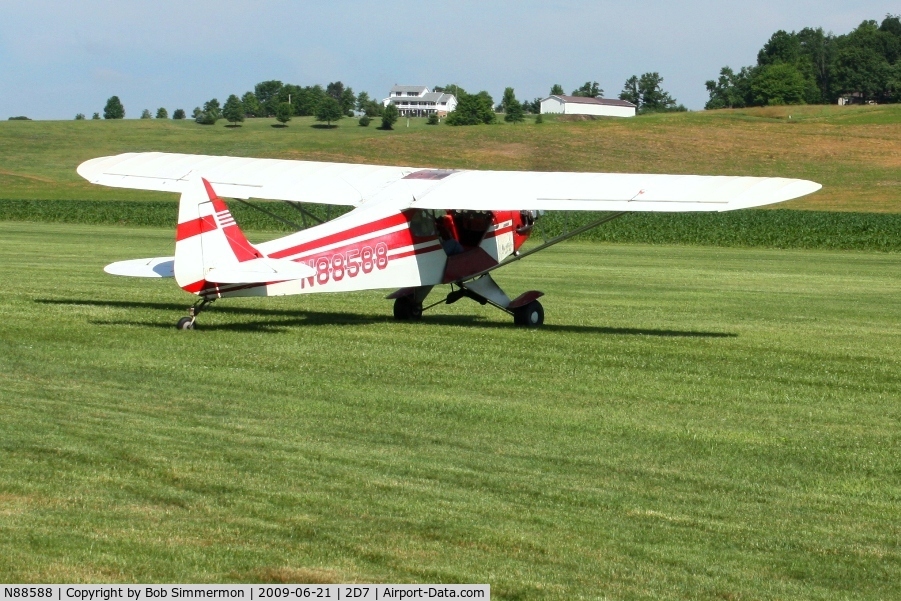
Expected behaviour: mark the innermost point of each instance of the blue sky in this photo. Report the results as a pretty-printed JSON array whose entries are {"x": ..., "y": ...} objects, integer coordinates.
[{"x": 60, "y": 58}]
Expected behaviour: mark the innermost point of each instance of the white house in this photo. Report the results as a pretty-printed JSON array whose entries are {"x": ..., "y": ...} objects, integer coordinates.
[
  {"x": 580, "y": 105},
  {"x": 418, "y": 101}
]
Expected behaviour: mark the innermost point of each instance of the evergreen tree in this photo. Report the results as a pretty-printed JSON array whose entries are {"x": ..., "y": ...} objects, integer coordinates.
[
  {"x": 389, "y": 116},
  {"x": 114, "y": 109},
  {"x": 283, "y": 112},
  {"x": 233, "y": 110},
  {"x": 513, "y": 112},
  {"x": 589, "y": 89}
]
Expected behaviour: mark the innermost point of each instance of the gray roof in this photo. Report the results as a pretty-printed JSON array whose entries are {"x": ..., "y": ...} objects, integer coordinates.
[
  {"x": 436, "y": 97},
  {"x": 405, "y": 89},
  {"x": 586, "y": 100}
]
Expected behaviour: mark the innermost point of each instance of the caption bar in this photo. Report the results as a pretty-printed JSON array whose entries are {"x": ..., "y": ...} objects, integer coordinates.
[{"x": 248, "y": 592}]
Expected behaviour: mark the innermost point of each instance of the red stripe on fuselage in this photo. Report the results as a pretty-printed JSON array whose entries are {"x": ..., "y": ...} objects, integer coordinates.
[{"x": 361, "y": 230}]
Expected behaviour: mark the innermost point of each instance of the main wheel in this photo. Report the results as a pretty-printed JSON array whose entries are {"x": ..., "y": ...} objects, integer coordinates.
[
  {"x": 405, "y": 308},
  {"x": 185, "y": 323},
  {"x": 532, "y": 315}
]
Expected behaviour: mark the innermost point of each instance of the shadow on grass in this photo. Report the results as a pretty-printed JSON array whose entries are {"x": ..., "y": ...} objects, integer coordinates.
[
  {"x": 278, "y": 125},
  {"x": 323, "y": 126},
  {"x": 282, "y": 319}
]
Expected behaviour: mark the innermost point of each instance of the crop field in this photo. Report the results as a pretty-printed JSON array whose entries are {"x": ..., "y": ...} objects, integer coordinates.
[
  {"x": 704, "y": 423},
  {"x": 855, "y": 152}
]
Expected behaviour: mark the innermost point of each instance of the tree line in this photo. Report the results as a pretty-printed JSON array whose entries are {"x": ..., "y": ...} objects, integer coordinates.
[
  {"x": 814, "y": 67},
  {"x": 336, "y": 101}
]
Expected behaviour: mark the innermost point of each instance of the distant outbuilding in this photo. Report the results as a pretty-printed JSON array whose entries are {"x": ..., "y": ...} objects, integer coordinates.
[{"x": 581, "y": 105}]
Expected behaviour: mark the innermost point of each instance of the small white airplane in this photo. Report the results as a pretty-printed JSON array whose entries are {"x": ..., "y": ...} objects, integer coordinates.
[{"x": 410, "y": 229}]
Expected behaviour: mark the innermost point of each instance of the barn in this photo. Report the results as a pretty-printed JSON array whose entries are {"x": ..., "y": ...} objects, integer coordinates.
[{"x": 580, "y": 105}]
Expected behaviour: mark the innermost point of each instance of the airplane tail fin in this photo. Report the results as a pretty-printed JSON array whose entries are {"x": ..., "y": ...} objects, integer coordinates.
[{"x": 210, "y": 247}]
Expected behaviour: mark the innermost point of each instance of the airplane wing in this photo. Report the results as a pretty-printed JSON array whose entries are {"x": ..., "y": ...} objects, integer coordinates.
[
  {"x": 510, "y": 191},
  {"x": 412, "y": 187},
  {"x": 233, "y": 177}
]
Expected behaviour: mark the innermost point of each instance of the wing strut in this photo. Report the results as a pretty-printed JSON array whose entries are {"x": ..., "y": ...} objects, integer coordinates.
[
  {"x": 270, "y": 213},
  {"x": 551, "y": 242},
  {"x": 303, "y": 212}
]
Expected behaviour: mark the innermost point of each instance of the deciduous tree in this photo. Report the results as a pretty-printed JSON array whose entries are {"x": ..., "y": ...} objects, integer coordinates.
[
  {"x": 178, "y": 114},
  {"x": 473, "y": 109},
  {"x": 251, "y": 105},
  {"x": 79, "y": 117},
  {"x": 267, "y": 95},
  {"x": 114, "y": 109},
  {"x": 778, "y": 83},
  {"x": 329, "y": 110},
  {"x": 556, "y": 90},
  {"x": 145, "y": 114},
  {"x": 162, "y": 113},
  {"x": 630, "y": 91}
]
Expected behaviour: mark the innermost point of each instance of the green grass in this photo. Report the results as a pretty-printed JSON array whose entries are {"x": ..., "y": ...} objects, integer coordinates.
[
  {"x": 852, "y": 151},
  {"x": 691, "y": 423}
]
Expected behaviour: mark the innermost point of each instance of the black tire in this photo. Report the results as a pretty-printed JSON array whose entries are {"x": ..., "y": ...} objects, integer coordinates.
[
  {"x": 530, "y": 316},
  {"x": 185, "y": 323},
  {"x": 406, "y": 309}
]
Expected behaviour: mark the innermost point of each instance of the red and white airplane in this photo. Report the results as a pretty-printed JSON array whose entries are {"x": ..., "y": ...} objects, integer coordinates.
[{"x": 411, "y": 228}]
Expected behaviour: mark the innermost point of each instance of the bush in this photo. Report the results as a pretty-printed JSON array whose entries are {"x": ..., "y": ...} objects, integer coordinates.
[
  {"x": 432, "y": 120},
  {"x": 79, "y": 117},
  {"x": 365, "y": 121},
  {"x": 19, "y": 118}
]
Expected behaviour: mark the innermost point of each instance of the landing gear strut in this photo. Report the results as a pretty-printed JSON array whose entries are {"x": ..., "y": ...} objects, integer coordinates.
[{"x": 187, "y": 323}]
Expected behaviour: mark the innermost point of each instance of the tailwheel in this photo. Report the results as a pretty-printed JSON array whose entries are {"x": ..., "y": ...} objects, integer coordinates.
[
  {"x": 531, "y": 316},
  {"x": 185, "y": 323},
  {"x": 406, "y": 308}
]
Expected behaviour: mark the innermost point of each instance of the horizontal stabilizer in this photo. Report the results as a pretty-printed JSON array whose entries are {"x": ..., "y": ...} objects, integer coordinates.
[
  {"x": 158, "y": 267},
  {"x": 259, "y": 271}
]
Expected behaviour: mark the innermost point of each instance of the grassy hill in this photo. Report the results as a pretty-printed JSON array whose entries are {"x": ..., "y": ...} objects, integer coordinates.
[{"x": 855, "y": 152}]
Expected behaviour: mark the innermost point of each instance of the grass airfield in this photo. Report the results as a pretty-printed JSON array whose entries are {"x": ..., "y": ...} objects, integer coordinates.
[{"x": 698, "y": 423}]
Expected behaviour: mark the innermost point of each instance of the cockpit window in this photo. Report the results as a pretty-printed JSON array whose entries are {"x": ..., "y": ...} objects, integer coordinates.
[{"x": 423, "y": 224}]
